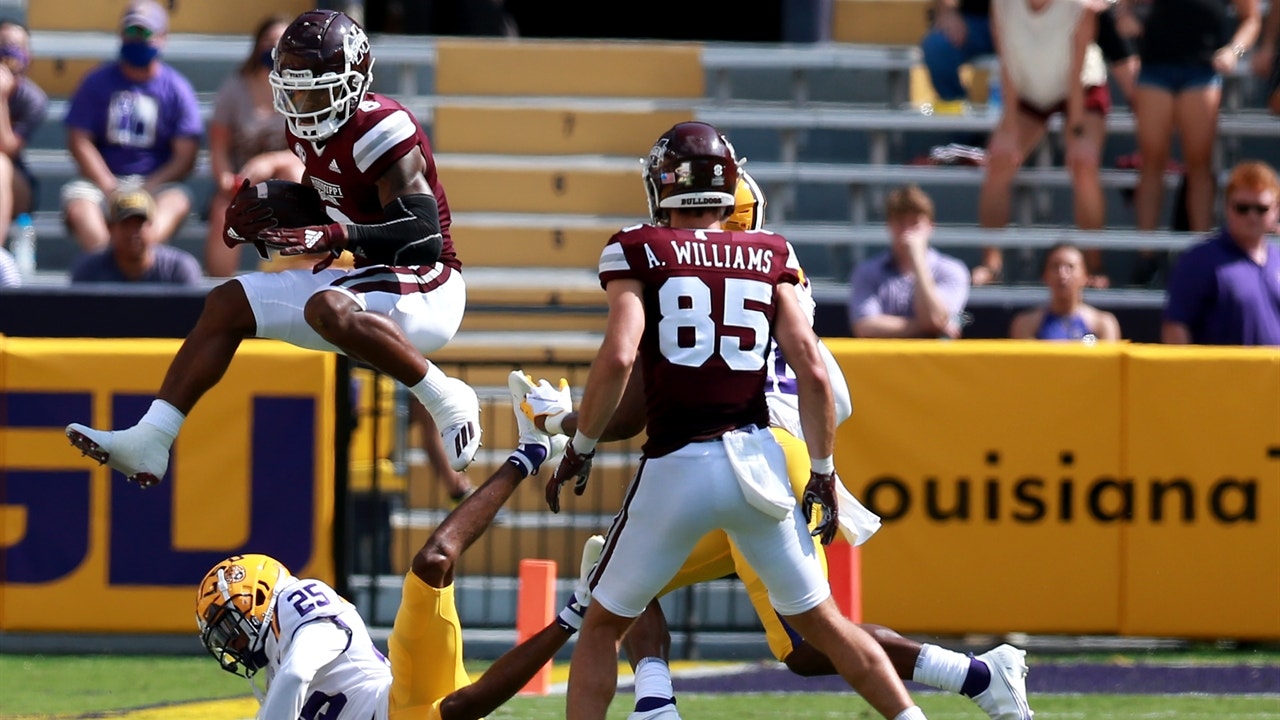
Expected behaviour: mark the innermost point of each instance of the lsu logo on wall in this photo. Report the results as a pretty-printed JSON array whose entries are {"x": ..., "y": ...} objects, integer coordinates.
[{"x": 81, "y": 549}]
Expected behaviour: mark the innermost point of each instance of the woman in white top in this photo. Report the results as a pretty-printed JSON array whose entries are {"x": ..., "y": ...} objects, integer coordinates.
[
  {"x": 246, "y": 140},
  {"x": 1049, "y": 64}
]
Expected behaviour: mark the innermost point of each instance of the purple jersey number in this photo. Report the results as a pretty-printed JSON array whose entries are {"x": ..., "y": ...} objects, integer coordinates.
[
  {"x": 784, "y": 378},
  {"x": 307, "y": 598},
  {"x": 321, "y": 706}
]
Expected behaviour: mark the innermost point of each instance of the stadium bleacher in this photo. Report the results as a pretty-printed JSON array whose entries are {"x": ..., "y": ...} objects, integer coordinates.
[{"x": 538, "y": 143}]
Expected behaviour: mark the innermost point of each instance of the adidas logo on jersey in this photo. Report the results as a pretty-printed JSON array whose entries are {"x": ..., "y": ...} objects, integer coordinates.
[{"x": 333, "y": 166}]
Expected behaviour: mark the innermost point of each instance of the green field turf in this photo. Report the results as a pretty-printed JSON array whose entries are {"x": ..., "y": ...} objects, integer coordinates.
[{"x": 34, "y": 686}]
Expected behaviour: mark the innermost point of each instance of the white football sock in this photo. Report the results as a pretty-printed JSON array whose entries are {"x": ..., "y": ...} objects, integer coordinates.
[
  {"x": 165, "y": 418},
  {"x": 430, "y": 390},
  {"x": 941, "y": 668},
  {"x": 912, "y": 713},
  {"x": 653, "y": 684}
]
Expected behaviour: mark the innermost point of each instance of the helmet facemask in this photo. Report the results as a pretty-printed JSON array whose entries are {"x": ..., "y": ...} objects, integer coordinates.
[
  {"x": 315, "y": 107},
  {"x": 234, "y": 624}
]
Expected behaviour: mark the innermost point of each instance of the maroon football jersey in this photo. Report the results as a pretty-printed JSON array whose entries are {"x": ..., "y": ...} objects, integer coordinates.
[
  {"x": 344, "y": 168},
  {"x": 709, "y": 308}
]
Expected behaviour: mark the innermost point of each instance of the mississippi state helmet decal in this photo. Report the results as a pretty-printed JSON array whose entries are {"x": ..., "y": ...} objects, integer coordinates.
[
  {"x": 323, "y": 68},
  {"x": 691, "y": 166}
]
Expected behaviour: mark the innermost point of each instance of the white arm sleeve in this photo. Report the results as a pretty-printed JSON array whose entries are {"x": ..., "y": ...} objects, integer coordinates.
[
  {"x": 839, "y": 387},
  {"x": 315, "y": 645}
]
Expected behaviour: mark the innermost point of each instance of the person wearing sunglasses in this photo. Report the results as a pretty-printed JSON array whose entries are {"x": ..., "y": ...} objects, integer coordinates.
[
  {"x": 1225, "y": 290},
  {"x": 132, "y": 122}
]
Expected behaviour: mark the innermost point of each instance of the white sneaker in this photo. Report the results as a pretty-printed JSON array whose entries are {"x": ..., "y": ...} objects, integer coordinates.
[
  {"x": 140, "y": 453},
  {"x": 459, "y": 424},
  {"x": 1006, "y": 697},
  {"x": 666, "y": 712}
]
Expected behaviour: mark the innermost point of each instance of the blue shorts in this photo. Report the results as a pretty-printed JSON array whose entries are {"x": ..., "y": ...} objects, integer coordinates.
[{"x": 1176, "y": 78}]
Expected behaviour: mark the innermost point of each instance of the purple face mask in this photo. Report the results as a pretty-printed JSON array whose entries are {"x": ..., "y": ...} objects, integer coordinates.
[{"x": 14, "y": 57}]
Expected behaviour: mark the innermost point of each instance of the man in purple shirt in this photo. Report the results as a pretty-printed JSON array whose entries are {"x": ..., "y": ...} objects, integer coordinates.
[
  {"x": 132, "y": 255},
  {"x": 23, "y": 106},
  {"x": 1226, "y": 289},
  {"x": 911, "y": 290},
  {"x": 135, "y": 121}
]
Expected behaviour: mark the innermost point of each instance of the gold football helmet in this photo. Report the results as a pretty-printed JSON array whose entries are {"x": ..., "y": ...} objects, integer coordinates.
[
  {"x": 748, "y": 205},
  {"x": 235, "y": 604}
]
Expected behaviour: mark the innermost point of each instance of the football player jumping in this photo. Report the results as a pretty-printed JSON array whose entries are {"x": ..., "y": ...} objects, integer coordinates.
[
  {"x": 319, "y": 659},
  {"x": 994, "y": 680},
  {"x": 372, "y": 166}
]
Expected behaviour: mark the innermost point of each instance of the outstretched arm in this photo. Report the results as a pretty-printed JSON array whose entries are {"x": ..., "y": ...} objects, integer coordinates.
[
  {"x": 517, "y": 666},
  {"x": 505, "y": 677},
  {"x": 434, "y": 563}
]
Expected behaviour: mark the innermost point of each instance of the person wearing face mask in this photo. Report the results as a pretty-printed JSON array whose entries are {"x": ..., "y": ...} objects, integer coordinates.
[
  {"x": 246, "y": 140},
  {"x": 23, "y": 109},
  {"x": 134, "y": 122}
]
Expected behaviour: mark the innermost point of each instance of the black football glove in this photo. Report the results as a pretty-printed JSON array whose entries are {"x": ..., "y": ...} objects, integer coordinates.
[
  {"x": 821, "y": 491},
  {"x": 572, "y": 465}
]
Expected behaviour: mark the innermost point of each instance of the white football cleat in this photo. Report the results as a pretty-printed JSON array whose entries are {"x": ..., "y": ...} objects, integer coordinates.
[
  {"x": 140, "y": 453},
  {"x": 666, "y": 712},
  {"x": 1006, "y": 697},
  {"x": 459, "y": 423}
]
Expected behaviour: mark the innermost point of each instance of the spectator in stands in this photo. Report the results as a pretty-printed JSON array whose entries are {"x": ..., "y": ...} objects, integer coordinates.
[
  {"x": 1049, "y": 64},
  {"x": 132, "y": 253},
  {"x": 1066, "y": 316},
  {"x": 246, "y": 140},
  {"x": 23, "y": 110},
  {"x": 1118, "y": 48},
  {"x": 9, "y": 274},
  {"x": 1226, "y": 289},
  {"x": 961, "y": 34},
  {"x": 1186, "y": 48},
  {"x": 135, "y": 122},
  {"x": 1266, "y": 59},
  {"x": 910, "y": 290}
]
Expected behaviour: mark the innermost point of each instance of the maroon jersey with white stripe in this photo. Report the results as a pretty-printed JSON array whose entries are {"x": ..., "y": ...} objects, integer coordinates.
[
  {"x": 709, "y": 309},
  {"x": 345, "y": 168}
]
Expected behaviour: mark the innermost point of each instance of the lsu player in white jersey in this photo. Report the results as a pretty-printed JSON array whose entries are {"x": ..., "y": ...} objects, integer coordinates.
[
  {"x": 995, "y": 680},
  {"x": 318, "y": 658}
]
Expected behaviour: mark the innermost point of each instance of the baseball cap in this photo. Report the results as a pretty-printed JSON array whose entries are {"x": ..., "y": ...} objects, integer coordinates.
[
  {"x": 146, "y": 14},
  {"x": 133, "y": 202}
]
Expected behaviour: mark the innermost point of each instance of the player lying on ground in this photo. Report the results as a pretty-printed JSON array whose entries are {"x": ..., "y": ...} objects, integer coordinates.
[{"x": 317, "y": 653}]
